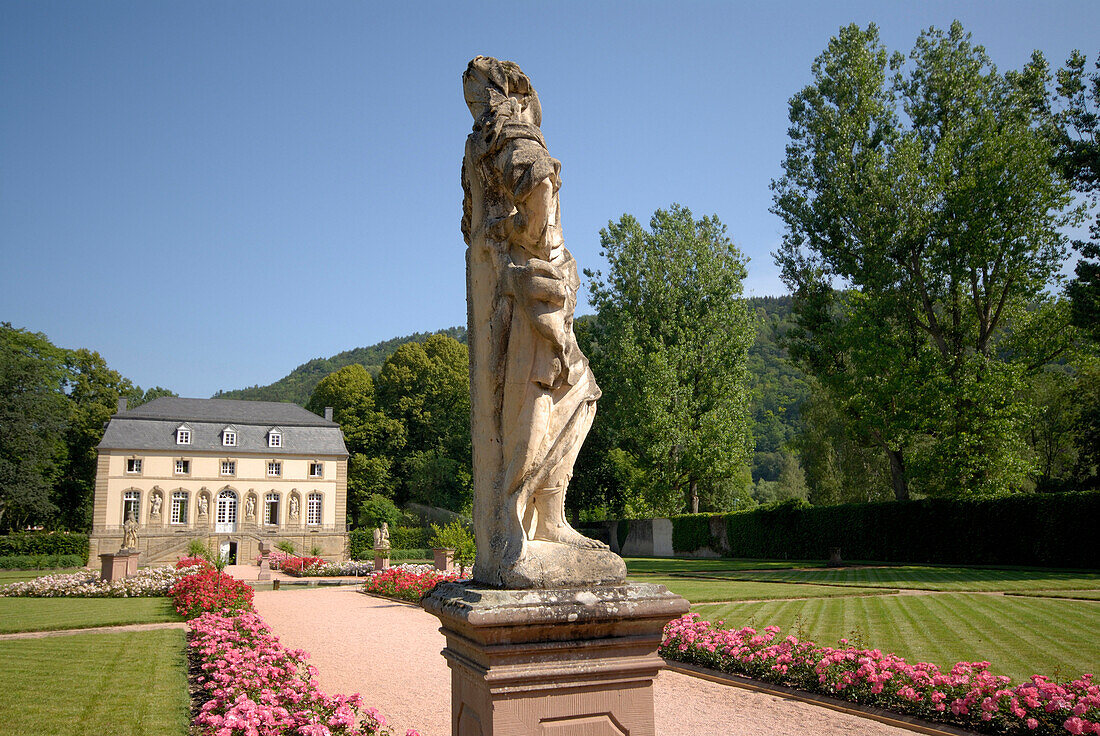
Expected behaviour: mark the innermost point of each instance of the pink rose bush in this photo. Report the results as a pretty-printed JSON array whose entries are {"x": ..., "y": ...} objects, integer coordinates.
[
  {"x": 407, "y": 582},
  {"x": 969, "y": 695},
  {"x": 298, "y": 566},
  {"x": 256, "y": 687}
]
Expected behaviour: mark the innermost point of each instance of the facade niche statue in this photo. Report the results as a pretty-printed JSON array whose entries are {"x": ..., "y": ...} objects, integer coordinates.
[{"x": 533, "y": 396}]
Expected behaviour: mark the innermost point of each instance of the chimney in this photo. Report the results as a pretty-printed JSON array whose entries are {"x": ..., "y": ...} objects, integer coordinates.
[
  {"x": 121, "y": 404},
  {"x": 328, "y": 413}
]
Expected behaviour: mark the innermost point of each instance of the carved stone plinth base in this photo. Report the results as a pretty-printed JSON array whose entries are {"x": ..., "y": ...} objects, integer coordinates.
[
  {"x": 118, "y": 565},
  {"x": 558, "y": 662},
  {"x": 381, "y": 559},
  {"x": 444, "y": 559}
]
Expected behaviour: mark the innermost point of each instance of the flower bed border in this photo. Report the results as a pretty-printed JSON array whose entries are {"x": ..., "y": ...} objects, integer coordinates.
[{"x": 889, "y": 717}]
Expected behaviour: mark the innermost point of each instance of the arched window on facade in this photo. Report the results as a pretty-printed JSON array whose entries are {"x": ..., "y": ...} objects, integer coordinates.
[
  {"x": 179, "y": 507},
  {"x": 131, "y": 505},
  {"x": 271, "y": 508},
  {"x": 226, "y": 520},
  {"x": 313, "y": 509}
]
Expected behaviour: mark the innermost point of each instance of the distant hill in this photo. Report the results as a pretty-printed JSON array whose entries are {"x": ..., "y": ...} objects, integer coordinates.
[
  {"x": 777, "y": 389},
  {"x": 299, "y": 384}
]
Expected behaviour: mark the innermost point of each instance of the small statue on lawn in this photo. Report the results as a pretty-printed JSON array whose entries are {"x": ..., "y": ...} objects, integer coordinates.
[{"x": 382, "y": 537}]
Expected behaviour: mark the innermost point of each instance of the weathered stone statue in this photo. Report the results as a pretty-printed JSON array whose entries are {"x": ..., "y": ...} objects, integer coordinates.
[
  {"x": 294, "y": 508},
  {"x": 204, "y": 504},
  {"x": 154, "y": 511},
  {"x": 533, "y": 395},
  {"x": 382, "y": 536},
  {"x": 250, "y": 507},
  {"x": 129, "y": 532}
]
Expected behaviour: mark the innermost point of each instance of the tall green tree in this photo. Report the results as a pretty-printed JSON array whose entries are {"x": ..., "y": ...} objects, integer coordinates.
[
  {"x": 372, "y": 438},
  {"x": 93, "y": 390},
  {"x": 33, "y": 416},
  {"x": 425, "y": 388},
  {"x": 1077, "y": 125},
  {"x": 673, "y": 334},
  {"x": 944, "y": 224}
]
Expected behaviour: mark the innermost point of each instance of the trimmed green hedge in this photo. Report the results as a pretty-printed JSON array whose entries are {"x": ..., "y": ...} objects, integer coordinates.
[
  {"x": 361, "y": 541},
  {"x": 40, "y": 562},
  {"x": 44, "y": 543},
  {"x": 1045, "y": 530},
  {"x": 691, "y": 532}
]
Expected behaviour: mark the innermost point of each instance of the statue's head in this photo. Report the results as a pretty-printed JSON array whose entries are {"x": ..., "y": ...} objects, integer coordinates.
[{"x": 489, "y": 84}]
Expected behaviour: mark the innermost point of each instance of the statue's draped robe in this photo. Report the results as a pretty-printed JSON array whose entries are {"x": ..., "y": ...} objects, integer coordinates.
[{"x": 545, "y": 392}]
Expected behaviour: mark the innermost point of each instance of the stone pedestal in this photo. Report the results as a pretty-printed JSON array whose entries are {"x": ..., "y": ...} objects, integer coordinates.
[
  {"x": 558, "y": 662},
  {"x": 265, "y": 563},
  {"x": 118, "y": 565},
  {"x": 444, "y": 560},
  {"x": 381, "y": 559}
]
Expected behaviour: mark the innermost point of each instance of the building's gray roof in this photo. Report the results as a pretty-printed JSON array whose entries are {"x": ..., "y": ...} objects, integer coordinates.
[{"x": 153, "y": 426}]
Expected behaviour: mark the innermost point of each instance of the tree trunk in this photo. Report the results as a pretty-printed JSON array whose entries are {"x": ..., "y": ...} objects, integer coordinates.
[
  {"x": 897, "y": 475},
  {"x": 694, "y": 496}
]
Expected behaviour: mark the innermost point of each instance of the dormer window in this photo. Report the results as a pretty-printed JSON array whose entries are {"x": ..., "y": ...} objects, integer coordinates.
[
  {"x": 229, "y": 437},
  {"x": 183, "y": 435},
  {"x": 275, "y": 438}
]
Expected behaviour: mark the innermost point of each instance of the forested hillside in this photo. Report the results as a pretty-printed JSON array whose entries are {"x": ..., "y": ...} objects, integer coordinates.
[
  {"x": 778, "y": 388},
  {"x": 297, "y": 386}
]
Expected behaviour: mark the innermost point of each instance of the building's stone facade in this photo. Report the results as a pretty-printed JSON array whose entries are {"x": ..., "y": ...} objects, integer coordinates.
[{"x": 228, "y": 473}]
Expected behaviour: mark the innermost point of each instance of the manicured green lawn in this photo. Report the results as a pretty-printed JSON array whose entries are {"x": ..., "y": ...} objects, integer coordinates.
[
  {"x": 16, "y": 576},
  {"x": 1019, "y": 635},
  {"x": 698, "y": 590},
  {"x": 1092, "y": 595},
  {"x": 928, "y": 578},
  {"x": 646, "y": 565},
  {"x": 125, "y": 684},
  {"x": 48, "y": 614}
]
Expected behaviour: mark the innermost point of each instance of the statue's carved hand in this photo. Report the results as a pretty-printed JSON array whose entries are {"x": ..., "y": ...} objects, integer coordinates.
[{"x": 539, "y": 281}]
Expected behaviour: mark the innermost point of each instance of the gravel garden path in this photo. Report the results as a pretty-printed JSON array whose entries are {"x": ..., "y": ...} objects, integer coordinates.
[{"x": 389, "y": 652}]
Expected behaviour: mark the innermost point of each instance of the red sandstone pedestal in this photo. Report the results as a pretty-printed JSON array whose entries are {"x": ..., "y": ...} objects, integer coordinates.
[
  {"x": 381, "y": 559},
  {"x": 444, "y": 559},
  {"x": 117, "y": 565},
  {"x": 559, "y": 662}
]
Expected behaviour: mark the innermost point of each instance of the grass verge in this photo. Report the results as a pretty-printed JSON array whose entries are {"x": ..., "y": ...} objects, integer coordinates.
[
  {"x": 124, "y": 684},
  {"x": 18, "y": 576},
  {"x": 649, "y": 565},
  {"x": 698, "y": 590},
  {"x": 51, "y": 614},
  {"x": 927, "y": 578}
]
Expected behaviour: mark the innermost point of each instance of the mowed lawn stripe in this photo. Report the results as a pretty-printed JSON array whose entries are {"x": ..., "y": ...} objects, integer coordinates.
[
  {"x": 1019, "y": 636},
  {"x": 927, "y": 578},
  {"x": 124, "y": 684},
  {"x": 704, "y": 590},
  {"x": 51, "y": 614}
]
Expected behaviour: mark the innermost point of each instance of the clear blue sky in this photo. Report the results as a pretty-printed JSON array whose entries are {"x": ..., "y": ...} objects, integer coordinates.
[{"x": 211, "y": 193}]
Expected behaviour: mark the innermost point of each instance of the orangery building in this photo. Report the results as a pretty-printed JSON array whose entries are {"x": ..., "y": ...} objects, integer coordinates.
[{"x": 228, "y": 473}]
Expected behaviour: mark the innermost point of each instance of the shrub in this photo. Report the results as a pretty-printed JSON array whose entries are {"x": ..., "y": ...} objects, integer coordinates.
[
  {"x": 299, "y": 566},
  {"x": 377, "y": 509},
  {"x": 197, "y": 548},
  {"x": 422, "y": 553},
  {"x": 151, "y": 581},
  {"x": 457, "y": 537},
  {"x": 40, "y": 562},
  {"x": 205, "y": 589},
  {"x": 44, "y": 543},
  {"x": 409, "y": 537},
  {"x": 256, "y": 685},
  {"x": 285, "y": 545},
  {"x": 968, "y": 696},
  {"x": 1055, "y": 530},
  {"x": 407, "y": 582},
  {"x": 692, "y": 532}
]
